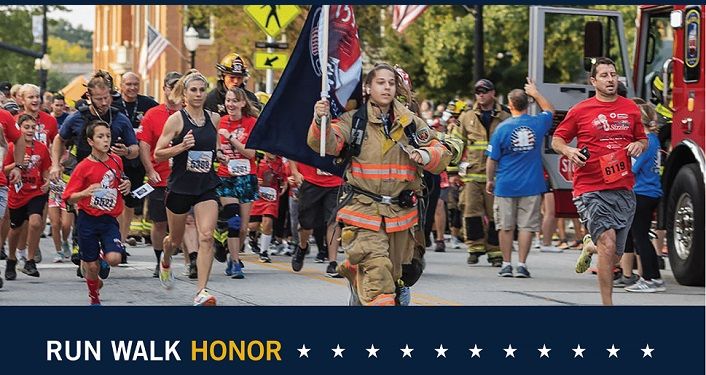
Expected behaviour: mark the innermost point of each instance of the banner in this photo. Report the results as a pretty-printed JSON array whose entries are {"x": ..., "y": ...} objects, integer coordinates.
[{"x": 284, "y": 122}]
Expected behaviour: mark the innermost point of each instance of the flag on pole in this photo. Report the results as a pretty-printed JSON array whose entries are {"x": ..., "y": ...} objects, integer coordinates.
[
  {"x": 404, "y": 15},
  {"x": 284, "y": 122},
  {"x": 152, "y": 48}
]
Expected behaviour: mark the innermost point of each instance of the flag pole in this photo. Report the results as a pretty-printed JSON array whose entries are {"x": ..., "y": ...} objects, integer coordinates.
[{"x": 323, "y": 50}]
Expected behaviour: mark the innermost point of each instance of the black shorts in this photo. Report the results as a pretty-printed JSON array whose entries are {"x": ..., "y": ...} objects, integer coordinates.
[
  {"x": 21, "y": 214},
  {"x": 258, "y": 218},
  {"x": 136, "y": 175},
  {"x": 316, "y": 205},
  {"x": 156, "y": 209},
  {"x": 182, "y": 203}
]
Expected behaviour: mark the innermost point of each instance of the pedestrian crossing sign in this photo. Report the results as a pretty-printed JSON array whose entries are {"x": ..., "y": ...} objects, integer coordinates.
[
  {"x": 272, "y": 19},
  {"x": 274, "y": 60}
]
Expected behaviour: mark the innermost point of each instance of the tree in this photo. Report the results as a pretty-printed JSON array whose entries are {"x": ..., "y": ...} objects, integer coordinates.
[{"x": 62, "y": 29}]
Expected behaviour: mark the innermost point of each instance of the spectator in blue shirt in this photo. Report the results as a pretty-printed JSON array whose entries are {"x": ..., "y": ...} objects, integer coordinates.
[
  {"x": 123, "y": 139},
  {"x": 515, "y": 176},
  {"x": 648, "y": 191}
]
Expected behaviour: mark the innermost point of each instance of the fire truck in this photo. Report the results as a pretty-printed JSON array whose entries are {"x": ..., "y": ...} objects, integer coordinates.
[{"x": 667, "y": 69}]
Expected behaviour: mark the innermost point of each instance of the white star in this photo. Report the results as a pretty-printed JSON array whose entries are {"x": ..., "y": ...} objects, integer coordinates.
[
  {"x": 304, "y": 351},
  {"x": 475, "y": 351},
  {"x": 373, "y": 351},
  {"x": 578, "y": 351},
  {"x": 407, "y": 351},
  {"x": 647, "y": 351},
  {"x": 544, "y": 351},
  {"x": 509, "y": 351},
  {"x": 613, "y": 351},
  {"x": 338, "y": 351},
  {"x": 441, "y": 351}
]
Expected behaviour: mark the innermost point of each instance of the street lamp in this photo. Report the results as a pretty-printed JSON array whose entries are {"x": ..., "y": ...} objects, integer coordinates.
[
  {"x": 42, "y": 66},
  {"x": 191, "y": 42}
]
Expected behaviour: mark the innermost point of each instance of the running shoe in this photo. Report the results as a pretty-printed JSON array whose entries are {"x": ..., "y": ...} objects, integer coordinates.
[
  {"x": 123, "y": 259},
  {"x": 298, "y": 258},
  {"x": 237, "y": 271},
  {"x": 3, "y": 255},
  {"x": 506, "y": 271},
  {"x": 58, "y": 257},
  {"x": 331, "y": 270},
  {"x": 66, "y": 250},
  {"x": 584, "y": 260},
  {"x": 166, "y": 277},
  {"x": 550, "y": 249},
  {"x": 229, "y": 268},
  {"x": 264, "y": 257},
  {"x": 204, "y": 298},
  {"x": 30, "y": 268},
  {"x": 623, "y": 281},
  {"x": 155, "y": 274},
  {"x": 522, "y": 273},
  {"x": 455, "y": 242},
  {"x": 104, "y": 270},
  {"x": 320, "y": 257},
  {"x": 642, "y": 286},
  {"x": 38, "y": 256},
  {"x": 660, "y": 285},
  {"x": 440, "y": 247},
  {"x": 404, "y": 295},
  {"x": 10, "y": 272},
  {"x": 497, "y": 262},
  {"x": 131, "y": 240}
]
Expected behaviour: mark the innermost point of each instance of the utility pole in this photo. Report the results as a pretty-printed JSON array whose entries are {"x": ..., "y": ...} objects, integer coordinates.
[{"x": 479, "y": 59}]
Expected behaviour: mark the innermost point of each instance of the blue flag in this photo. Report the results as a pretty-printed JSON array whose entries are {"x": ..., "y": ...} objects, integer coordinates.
[{"x": 284, "y": 122}]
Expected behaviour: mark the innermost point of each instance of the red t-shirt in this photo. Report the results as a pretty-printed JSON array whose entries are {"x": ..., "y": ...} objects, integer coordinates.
[
  {"x": 9, "y": 126},
  {"x": 149, "y": 132},
  {"x": 605, "y": 128},
  {"x": 273, "y": 174},
  {"x": 32, "y": 177},
  {"x": 237, "y": 165},
  {"x": 318, "y": 177},
  {"x": 105, "y": 201},
  {"x": 47, "y": 128}
]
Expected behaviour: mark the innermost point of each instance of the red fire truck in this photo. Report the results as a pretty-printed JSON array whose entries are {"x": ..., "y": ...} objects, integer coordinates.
[{"x": 668, "y": 70}]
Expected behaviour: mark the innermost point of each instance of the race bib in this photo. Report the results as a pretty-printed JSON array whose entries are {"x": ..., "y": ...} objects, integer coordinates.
[
  {"x": 199, "y": 161},
  {"x": 18, "y": 186},
  {"x": 614, "y": 166},
  {"x": 104, "y": 199},
  {"x": 239, "y": 167},
  {"x": 322, "y": 173},
  {"x": 41, "y": 137},
  {"x": 268, "y": 194}
]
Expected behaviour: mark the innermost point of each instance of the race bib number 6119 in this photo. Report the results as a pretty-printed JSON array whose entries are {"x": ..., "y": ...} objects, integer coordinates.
[{"x": 614, "y": 166}]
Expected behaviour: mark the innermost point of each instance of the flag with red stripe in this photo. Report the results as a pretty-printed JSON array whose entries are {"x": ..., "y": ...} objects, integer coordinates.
[
  {"x": 404, "y": 15},
  {"x": 152, "y": 49}
]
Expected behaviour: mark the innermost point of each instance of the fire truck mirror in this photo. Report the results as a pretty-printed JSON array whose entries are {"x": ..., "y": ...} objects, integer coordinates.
[{"x": 592, "y": 42}]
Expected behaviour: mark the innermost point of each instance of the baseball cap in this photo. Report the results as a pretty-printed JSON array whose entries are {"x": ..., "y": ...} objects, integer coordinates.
[
  {"x": 171, "y": 78},
  {"x": 484, "y": 84},
  {"x": 5, "y": 87}
]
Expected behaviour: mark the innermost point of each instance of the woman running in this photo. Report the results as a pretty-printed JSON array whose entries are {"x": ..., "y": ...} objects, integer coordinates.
[{"x": 190, "y": 139}]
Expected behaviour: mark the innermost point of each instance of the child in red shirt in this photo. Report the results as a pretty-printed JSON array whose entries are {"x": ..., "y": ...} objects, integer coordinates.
[
  {"x": 271, "y": 177},
  {"x": 96, "y": 187},
  {"x": 27, "y": 196}
]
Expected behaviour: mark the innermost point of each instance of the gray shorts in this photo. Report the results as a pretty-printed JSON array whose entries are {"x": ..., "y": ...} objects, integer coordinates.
[
  {"x": 3, "y": 200},
  {"x": 607, "y": 209}
]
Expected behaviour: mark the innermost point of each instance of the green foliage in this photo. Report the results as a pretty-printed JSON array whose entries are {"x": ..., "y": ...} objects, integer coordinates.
[
  {"x": 63, "y": 51},
  {"x": 62, "y": 29},
  {"x": 17, "y": 30}
]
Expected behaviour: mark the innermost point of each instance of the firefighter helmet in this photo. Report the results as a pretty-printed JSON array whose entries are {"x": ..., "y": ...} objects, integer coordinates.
[
  {"x": 455, "y": 107},
  {"x": 232, "y": 63}
]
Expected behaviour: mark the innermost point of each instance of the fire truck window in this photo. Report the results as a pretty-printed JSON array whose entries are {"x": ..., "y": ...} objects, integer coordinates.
[
  {"x": 663, "y": 35},
  {"x": 692, "y": 44},
  {"x": 563, "y": 47}
]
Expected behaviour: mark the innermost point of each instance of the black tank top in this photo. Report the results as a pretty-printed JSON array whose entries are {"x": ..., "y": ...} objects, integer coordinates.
[{"x": 192, "y": 170}]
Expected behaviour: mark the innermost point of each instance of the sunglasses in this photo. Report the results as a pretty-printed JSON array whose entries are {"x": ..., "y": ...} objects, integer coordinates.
[{"x": 482, "y": 91}]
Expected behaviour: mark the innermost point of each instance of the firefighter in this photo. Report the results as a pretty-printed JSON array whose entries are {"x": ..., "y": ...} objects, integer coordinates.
[
  {"x": 475, "y": 128},
  {"x": 450, "y": 117},
  {"x": 232, "y": 72},
  {"x": 385, "y": 148}
]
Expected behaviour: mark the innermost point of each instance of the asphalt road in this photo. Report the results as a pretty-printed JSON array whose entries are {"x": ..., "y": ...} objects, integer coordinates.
[{"x": 447, "y": 280}]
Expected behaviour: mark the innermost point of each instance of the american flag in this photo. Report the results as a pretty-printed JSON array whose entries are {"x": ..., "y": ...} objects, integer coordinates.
[
  {"x": 153, "y": 47},
  {"x": 404, "y": 15}
]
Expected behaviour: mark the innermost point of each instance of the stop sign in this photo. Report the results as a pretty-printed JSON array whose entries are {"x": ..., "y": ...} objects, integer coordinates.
[{"x": 566, "y": 168}]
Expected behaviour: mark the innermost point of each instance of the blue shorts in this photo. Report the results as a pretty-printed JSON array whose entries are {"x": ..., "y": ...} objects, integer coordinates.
[
  {"x": 242, "y": 187},
  {"x": 96, "y": 233}
]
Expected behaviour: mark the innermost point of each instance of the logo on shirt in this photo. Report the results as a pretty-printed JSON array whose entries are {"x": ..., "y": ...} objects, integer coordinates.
[
  {"x": 601, "y": 121},
  {"x": 523, "y": 139}
]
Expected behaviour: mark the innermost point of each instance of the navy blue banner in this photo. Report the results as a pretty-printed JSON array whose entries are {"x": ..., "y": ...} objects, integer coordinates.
[
  {"x": 284, "y": 122},
  {"x": 269, "y": 340}
]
